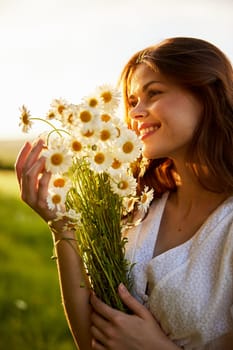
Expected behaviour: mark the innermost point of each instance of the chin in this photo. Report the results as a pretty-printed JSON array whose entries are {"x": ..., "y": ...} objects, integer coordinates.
[{"x": 149, "y": 154}]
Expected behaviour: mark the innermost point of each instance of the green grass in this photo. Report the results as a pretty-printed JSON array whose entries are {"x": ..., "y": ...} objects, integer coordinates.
[{"x": 31, "y": 313}]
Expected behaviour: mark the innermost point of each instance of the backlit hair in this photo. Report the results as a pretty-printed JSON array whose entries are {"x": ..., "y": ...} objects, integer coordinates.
[{"x": 205, "y": 71}]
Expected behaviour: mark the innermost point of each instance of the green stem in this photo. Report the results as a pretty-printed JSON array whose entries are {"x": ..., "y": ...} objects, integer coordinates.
[
  {"x": 59, "y": 131},
  {"x": 47, "y": 122}
]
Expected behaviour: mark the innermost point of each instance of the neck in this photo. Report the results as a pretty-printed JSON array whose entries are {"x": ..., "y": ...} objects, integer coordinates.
[{"x": 190, "y": 192}]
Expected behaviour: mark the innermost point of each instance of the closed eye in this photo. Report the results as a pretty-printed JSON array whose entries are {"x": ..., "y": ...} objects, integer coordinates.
[{"x": 152, "y": 93}]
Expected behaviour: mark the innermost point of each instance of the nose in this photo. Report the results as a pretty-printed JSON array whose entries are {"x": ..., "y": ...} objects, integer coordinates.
[{"x": 138, "y": 112}]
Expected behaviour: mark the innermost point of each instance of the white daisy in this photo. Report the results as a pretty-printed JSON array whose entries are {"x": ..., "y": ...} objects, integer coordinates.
[
  {"x": 105, "y": 117},
  {"x": 90, "y": 137},
  {"x": 128, "y": 146},
  {"x": 51, "y": 114},
  {"x": 87, "y": 119},
  {"x": 25, "y": 119},
  {"x": 59, "y": 181},
  {"x": 93, "y": 101},
  {"x": 117, "y": 167},
  {"x": 120, "y": 125},
  {"x": 58, "y": 157},
  {"x": 128, "y": 204},
  {"x": 78, "y": 144},
  {"x": 145, "y": 199},
  {"x": 124, "y": 185},
  {"x": 100, "y": 160},
  {"x": 107, "y": 133},
  {"x": 110, "y": 96},
  {"x": 56, "y": 199},
  {"x": 71, "y": 217},
  {"x": 69, "y": 117},
  {"x": 58, "y": 106}
]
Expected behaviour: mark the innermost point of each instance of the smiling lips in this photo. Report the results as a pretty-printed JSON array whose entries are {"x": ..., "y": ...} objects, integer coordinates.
[{"x": 147, "y": 130}]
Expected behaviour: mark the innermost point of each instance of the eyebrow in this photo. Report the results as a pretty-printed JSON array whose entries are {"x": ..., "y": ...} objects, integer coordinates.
[
  {"x": 150, "y": 83},
  {"x": 145, "y": 87}
]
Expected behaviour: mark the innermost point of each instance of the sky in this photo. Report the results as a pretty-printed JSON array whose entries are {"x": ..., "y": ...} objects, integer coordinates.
[{"x": 65, "y": 48}]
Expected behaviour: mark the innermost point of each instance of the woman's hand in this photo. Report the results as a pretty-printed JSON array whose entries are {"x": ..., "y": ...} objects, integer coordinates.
[
  {"x": 112, "y": 329},
  {"x": 34, "y": 179}
]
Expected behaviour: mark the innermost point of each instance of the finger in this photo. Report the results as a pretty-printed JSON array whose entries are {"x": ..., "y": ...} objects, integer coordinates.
[
  {"x": 101, "y": 308},
  {"x": 29, "y": 181},
  {"x": 99, "y": 322},
  {"x": 26, "y": 158},
  {"x": 33, "y": 155},
  {"x": 43, "y": 185},
  {"x": 137, "y": 308},
  {"x": 21, "y": 160},
  {"x": 98, "y": 335},
  {"x": 95, "y": 345},
  {"x": 34, "y": 189}
]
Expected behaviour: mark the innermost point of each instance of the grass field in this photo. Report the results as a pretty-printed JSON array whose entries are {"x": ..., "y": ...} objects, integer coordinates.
[
  {"x": 8, "y": 152},
  {"x": 31, "y": 314}
]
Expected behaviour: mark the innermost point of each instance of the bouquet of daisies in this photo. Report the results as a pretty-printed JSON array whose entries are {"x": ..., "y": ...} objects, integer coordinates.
[{"x": 89, "y": 152}]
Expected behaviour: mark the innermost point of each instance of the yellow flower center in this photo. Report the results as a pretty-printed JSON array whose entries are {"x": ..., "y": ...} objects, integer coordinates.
[
  {"x": 99, "y": 158},
  {"x": 116, "y": 164},
  {"x": 51, "y": 115},
  {"x": 76, "y": 146},
  {"x": 105, "y": 135},
  {"x": 143, "y": 198},
  {"x": 118, "y": 132},
  {"x": 56, "y": 159},
  {"x": 123, "y": 185},
  {"x": 60, "y": 109},
  {"x": 93, "y": 102},
  {"x": 106, "y": 96},
  {"x": 56, "y": 199},
  {"x": 85, "y": 116},
  {"x": 105, "y": 117},
  {"x": 25, "y": 118},
  {"x": 130, "y": 204},
  {"x": 60, "y": 182},
  {"x": 88, "y": 133},
  {"x": 128, "y": 147},
  {"x": 70, "y": 118}
]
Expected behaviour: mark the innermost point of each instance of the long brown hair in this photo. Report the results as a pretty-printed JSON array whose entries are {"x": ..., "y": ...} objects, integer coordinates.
[{"x": 205, "y": 71}]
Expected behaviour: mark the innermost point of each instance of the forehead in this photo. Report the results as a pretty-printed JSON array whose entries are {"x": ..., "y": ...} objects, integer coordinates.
[{"x": 141, "y": 76}]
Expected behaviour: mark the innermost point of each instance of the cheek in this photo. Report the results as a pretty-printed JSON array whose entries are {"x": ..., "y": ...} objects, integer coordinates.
[
  {"x": 183, "y": 112},
  {"x": 159, "y": 110},
  {"x": 192, "y": 118},
  {"x": 165, "y": 107},
  {"x": 193, "y": 110}
]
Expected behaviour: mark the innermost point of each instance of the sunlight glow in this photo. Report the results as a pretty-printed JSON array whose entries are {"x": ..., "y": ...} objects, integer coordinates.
[{"x": 53, "y": 49}]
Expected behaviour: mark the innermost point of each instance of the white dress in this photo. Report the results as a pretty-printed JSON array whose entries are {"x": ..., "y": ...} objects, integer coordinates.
[{"x": 191, "y": 285}]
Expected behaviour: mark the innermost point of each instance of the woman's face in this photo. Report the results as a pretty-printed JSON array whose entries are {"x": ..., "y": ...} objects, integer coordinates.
[{"x": 163, "y": 114}]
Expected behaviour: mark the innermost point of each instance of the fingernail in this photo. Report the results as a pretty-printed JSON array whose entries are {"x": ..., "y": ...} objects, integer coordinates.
[{"x": 122, "y": 288}]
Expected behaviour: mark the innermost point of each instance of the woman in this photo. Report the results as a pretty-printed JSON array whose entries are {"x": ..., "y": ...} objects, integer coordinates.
[{"x": 179, "y": 100}]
